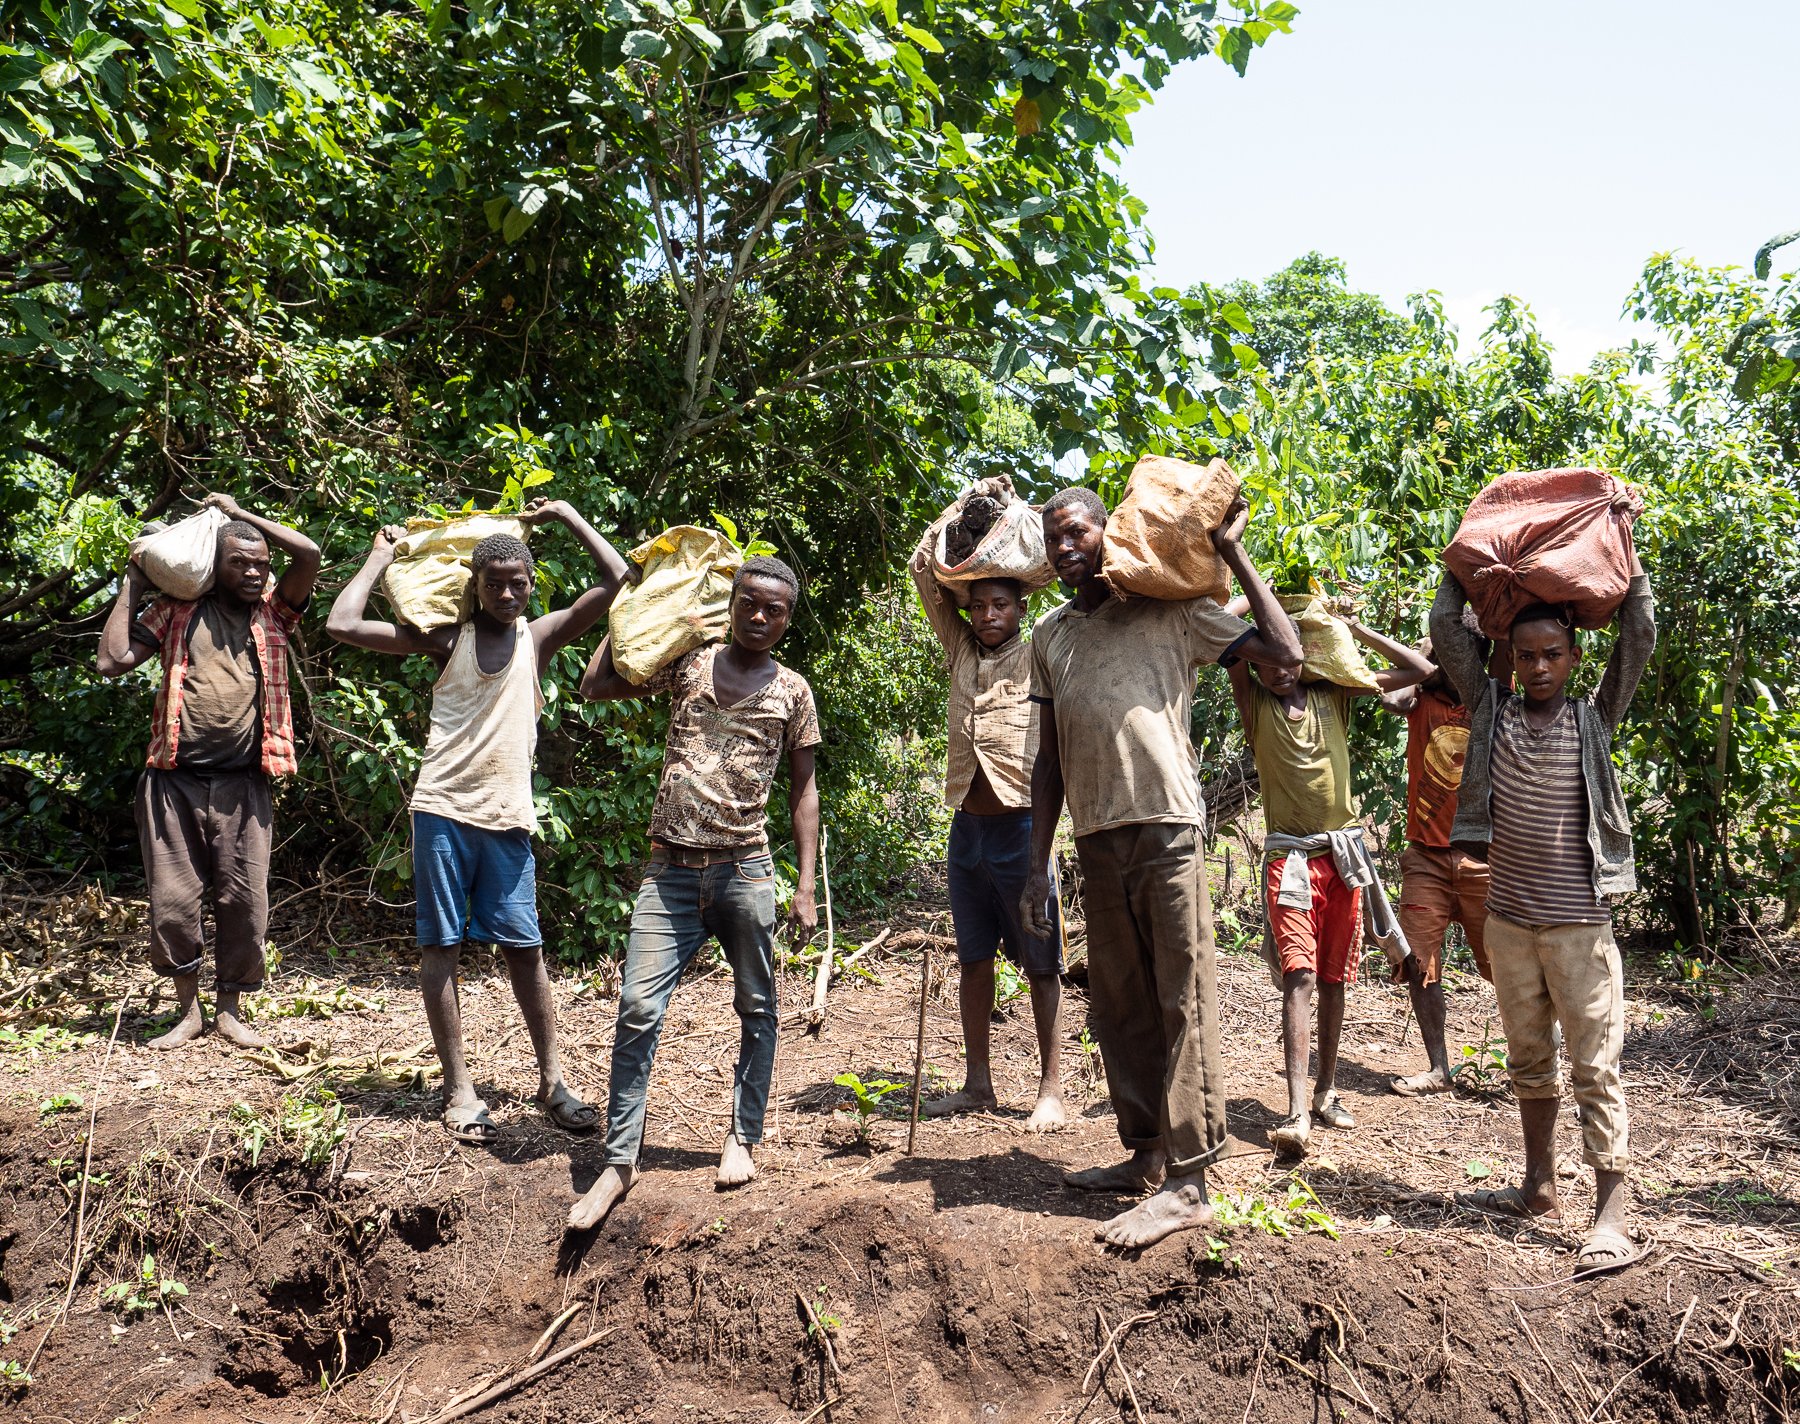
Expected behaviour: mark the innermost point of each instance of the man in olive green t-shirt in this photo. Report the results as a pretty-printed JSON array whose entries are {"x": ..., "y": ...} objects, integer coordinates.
[{"x": 1117, "y": 677}]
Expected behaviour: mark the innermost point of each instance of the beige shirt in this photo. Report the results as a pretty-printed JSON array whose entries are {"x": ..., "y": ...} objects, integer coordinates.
[
  {"x": 1122, "y": 681},
  {"x": 993, "y": 721},
  {"x": 477, "y": 767},
  {"x": 720, "y": 762}
]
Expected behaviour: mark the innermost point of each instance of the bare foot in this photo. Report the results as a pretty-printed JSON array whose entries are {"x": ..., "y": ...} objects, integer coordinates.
[
  {"x": 1049, "y": 1114},
  {"x": 967, "y": 1101},
  {"x": 1180, "y": 1206},
  {"x": 601, "y": 1198},
  {"x": 736, "y": 1165},
  {"x": 187, "y": 1028},
  {"x": 1421, "y": 1085},
  {"x": 1142, "y": 1172},
  {"x": 237, "y": 1031}
]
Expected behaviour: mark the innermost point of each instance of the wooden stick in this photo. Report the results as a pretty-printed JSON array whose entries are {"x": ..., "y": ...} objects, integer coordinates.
[
  {"x": 876, "y": 943},
  {"x": 1062, "y": 918},
  {"x": 87, "y": 1162},
  {"x": 551, "y": 1331},
  {"x": 815, "y": 1016},
  {"x": 523, "y": 1377},
  {"x": 912, "y": 1126}
]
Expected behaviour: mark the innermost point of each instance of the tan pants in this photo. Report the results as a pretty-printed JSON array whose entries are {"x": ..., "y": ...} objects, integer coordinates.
[
  {"x": 207, "y": 835},
  {"x": 1439, "y": 888},
  {"x": 1153, "y": 989},
  {"x": 1568, "y": 974}
]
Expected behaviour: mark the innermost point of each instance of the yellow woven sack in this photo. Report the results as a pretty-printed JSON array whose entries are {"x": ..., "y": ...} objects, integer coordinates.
[
  {"x": 1328, "y": 647},
  {"x": 428, "y": 583},
  {"x": 682, "y": 600},
  {"x": 1158, "y": 540}
]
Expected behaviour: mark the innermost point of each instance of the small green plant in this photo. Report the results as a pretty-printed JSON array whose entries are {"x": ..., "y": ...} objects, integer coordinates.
[
  {"x": 1477, "y": 1170},
  {"x": 1483, "y": 1065},
  {"x": 1215, "y": 1255},
  {"x": 1009, "y": 984},
  {"x": 1092, "y": 1068},
  {"x": 313, "y": 1119},
  {"x": 144, "y": 1293},
  {"x": 58, "y": 1103},
  {"x": 14, "y": 1376},
  {"x": 1299, "y": 1212},
  {"x": 316, "y": 1001},
  {"x": 868, "y": 1099},
  {"x": 41, "y": 1041},
  {"x": 822, "y": 1318}
]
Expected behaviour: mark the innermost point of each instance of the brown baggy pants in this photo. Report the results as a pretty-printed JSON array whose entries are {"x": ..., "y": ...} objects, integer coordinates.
[
  {"x": 1153, "y": 989},
  {"x": 207, "y": 833}
]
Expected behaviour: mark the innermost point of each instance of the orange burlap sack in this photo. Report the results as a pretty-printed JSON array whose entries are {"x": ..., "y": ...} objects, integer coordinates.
[
  {"x": 1546, "y": 536},
  {"x": 1158, "y": 541}
]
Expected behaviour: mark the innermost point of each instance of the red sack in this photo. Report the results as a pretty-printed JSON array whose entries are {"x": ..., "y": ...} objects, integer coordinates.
[{"x": 1546, "y": 536}]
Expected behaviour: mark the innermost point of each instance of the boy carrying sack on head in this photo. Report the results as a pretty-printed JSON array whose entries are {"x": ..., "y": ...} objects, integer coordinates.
[
  {"x": 473, "y": 815},
  {"x": 1316, "y": 865},
  {"x": 1541, "y": 798},
  {"x": 736, "y": 713}
]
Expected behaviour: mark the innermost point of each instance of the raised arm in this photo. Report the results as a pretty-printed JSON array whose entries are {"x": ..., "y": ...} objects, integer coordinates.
[
  {"x": 1241, "y": 690},
  {"x": 1410, "y": 666},
  {"x": 1401, "y": 700},
  {"x": 1631, "y": 650},
  {"x": 563, "y": 626},
  {"x": 1046, "y": 810},
  {"x": 1274, "y": 643},
  {"x": 1457, "y": 649},
  {"x": 347, "y": 624},
  {"x": 947, "y": 620},
  {"x": 120, "y": 652},
  {"x": 602, "y": 682},
  {"x": 803, "y": 802},
  {"x": 302, "y": 572}
]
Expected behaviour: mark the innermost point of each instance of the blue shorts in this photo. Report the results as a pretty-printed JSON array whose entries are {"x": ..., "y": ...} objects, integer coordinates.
[
  {"x": 990, "y": 860},
  {"x": 474, "y": 884}
]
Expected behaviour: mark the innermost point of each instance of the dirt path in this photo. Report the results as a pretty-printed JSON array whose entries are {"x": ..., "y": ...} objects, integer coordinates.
[{"x": 395, "y": 1270}]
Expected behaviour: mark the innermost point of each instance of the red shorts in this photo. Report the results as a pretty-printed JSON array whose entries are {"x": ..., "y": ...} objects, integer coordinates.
[{"x": 1324, "y": 940}]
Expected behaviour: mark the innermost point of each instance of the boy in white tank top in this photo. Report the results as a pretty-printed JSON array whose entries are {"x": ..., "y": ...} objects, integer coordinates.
[{"x": 472, "y": 809}]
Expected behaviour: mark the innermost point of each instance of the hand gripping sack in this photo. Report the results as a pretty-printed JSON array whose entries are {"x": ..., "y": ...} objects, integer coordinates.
[
  {"x": 180, "y": 558},
  {"x": 1011, "y": 547},
  {"x": 1327, "y": 646},
  {"x": 682, "y": 600},
  {"x": 1547, "y": 536},
  {"x": 1158, "y": 540},
  {"x": 429, "y": 584}
]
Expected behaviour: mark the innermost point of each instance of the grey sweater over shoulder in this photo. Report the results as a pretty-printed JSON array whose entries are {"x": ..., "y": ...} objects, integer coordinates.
[{"x": 1609, "y": 822}]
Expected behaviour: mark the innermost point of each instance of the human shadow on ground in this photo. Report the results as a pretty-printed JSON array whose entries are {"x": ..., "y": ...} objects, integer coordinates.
[{"x": 1015, "y": 1179}]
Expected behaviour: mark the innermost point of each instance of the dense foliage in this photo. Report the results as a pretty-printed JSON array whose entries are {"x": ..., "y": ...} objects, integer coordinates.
[{"x": 806, "y": 264}]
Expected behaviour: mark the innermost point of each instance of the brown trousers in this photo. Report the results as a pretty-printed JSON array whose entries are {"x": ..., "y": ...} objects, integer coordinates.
[
  {"x": 207, "y": 833},
  {"x": 1153, "y": 987}
]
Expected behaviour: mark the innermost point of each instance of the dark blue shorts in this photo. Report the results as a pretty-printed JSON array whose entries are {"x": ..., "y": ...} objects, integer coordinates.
[
  {"x": 473, "y": 884},
  {"x": 990, "y": 860}
]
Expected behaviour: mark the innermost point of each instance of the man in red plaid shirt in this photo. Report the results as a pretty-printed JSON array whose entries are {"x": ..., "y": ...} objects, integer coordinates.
[{"x": 222, "y": 726}]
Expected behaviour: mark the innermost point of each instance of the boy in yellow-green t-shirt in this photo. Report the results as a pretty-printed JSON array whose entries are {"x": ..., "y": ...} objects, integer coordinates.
[{"x": 1298, "y": 732}]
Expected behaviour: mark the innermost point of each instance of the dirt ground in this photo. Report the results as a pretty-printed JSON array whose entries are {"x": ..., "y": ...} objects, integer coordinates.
[{"x": 320, "y": 1251}]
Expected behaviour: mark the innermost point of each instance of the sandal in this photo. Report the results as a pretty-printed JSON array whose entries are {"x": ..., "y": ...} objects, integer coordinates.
[
  {"x": 1606, "y": 1249},
  {"x": 1508, "y": 1202},
  {"x": 568, "y": 1112},
  {"x": 470, "y": 1123},
  {"x": 1331, "y": 1111},
  {"x": 1421, "y": 1085}
]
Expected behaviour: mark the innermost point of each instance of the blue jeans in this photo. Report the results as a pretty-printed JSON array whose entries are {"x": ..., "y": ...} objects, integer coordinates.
[{"x": 678, "y": 909}]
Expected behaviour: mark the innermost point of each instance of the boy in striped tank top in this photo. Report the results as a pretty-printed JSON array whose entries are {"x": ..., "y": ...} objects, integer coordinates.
[
  {"x": 1541, "y": 797},
  {"x": 472, "y": 808}
]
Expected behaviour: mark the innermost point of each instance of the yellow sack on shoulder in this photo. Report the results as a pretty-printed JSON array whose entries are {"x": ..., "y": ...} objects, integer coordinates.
[
  {"x": 1158, "y": 540},
  {"x": 681, "y": 601},
  {"x": 428, "y": 584},
  {"x": 1328, "y": 647}
]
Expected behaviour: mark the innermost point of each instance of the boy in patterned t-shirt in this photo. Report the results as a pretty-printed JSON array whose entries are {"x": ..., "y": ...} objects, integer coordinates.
[{"x": 735, "y": 712}]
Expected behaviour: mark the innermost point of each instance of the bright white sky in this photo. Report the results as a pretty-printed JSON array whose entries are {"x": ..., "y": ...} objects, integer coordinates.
[{"x": 1480, "y": 147}]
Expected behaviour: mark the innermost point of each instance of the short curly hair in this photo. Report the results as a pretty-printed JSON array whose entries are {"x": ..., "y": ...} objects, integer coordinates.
[
  {"x": 504, "y": 549},
  {"x": 765, "y": 566},
  {"x": 1078, "y": 497}
]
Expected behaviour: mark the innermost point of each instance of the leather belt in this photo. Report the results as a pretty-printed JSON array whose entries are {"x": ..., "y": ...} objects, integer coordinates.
[{"x": 699, "y": 857}]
